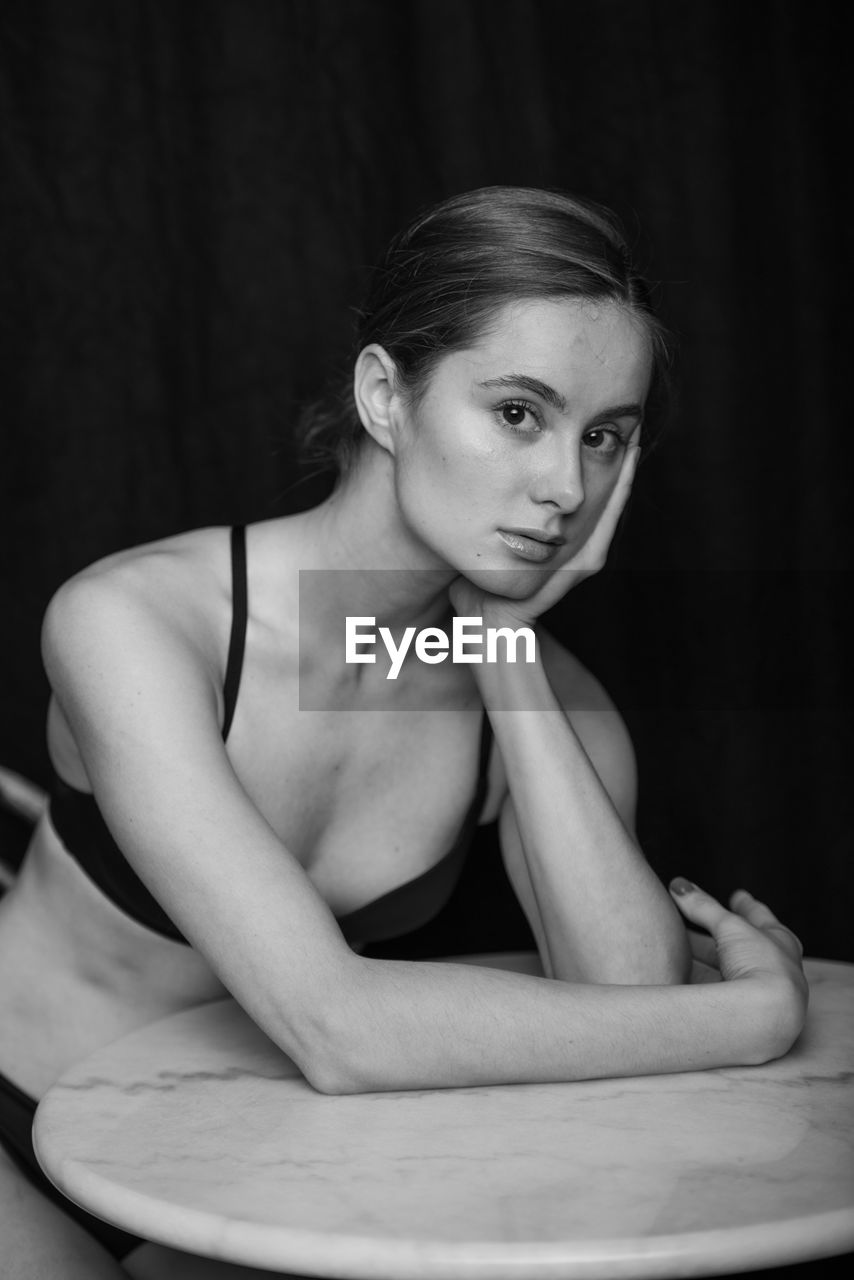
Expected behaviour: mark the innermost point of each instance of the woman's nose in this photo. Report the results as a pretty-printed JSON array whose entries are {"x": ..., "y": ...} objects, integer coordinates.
[{"x": 561, "y": 483}]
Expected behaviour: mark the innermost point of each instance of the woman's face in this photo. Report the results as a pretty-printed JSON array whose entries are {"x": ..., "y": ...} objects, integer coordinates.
[{"x": 506, "y": 463}]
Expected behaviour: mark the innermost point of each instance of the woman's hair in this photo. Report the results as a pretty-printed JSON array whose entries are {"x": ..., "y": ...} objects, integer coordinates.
[{"x": 441, "y": 281}]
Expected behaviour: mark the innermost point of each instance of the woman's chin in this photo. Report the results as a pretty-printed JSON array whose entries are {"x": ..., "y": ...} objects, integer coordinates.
[{"x": 510, "y": 583}]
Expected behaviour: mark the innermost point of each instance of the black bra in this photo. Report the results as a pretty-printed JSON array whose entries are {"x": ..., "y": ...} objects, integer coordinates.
[{"x": 79, "y": 824}]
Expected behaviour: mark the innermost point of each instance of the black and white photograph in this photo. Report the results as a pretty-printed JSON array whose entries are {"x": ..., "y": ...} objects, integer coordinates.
[{"x": 426, "y": 802}]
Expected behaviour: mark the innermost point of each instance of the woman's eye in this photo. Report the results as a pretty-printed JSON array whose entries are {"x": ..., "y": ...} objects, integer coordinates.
[
  {"x": 519, "y": 417},
  {"x": 604, "y": 441}
]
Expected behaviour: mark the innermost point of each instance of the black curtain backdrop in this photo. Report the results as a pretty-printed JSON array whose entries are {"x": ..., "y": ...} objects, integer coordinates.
[{"x": 191, "y": 194}]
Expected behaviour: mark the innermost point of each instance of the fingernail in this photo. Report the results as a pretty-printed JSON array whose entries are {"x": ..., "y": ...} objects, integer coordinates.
[{"x": 680, "y": 885}]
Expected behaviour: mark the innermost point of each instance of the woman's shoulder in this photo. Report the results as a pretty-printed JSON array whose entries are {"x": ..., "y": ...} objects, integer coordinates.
[
  {"x": 178, "y": 580},
  {"x": 166, "y": 601},
  {"x": 151, "y": 625},
  {"x": 184, "y": 554},
  {"x": 174, "y": 595}
]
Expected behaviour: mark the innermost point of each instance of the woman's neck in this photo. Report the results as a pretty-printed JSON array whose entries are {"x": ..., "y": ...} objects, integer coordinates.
[{"x": 359, "y": 558}]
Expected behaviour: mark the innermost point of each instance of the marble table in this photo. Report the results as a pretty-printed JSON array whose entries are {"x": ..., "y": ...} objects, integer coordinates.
[{"x": 198, "y": 1133}]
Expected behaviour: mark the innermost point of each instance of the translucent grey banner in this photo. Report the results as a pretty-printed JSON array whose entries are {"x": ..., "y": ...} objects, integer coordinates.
[{"x": 387, "y": 640}]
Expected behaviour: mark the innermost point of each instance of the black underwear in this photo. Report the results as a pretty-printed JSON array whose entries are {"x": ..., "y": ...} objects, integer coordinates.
[{"x": 16, "y": 1129}]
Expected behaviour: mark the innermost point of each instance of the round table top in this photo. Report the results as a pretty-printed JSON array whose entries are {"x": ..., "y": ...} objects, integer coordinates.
[{"x": 198, "y": 1133}]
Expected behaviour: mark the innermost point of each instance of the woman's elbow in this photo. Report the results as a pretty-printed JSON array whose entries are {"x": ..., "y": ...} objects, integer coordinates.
[
  {"x": 338, "y": 1068},
  {"x": 331, "y": 1078},
  {"x": 329, "y": 1046}
]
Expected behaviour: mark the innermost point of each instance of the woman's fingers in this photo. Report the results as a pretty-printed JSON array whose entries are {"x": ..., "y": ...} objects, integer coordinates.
[
  {"x": 699, "y": 907},
  {"x": 596, "y": 550},
  {"x": 761, "y": 916},
  {"x": 620, "y": 496},
  {"x": 752, "y": 909}
]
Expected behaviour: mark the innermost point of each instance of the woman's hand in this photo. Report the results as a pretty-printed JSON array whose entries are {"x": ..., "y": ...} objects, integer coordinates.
[
  {"x": 469, "y": 600},
  {"x": 704, "y": 958},
  {"x": 747, "y": 942}
]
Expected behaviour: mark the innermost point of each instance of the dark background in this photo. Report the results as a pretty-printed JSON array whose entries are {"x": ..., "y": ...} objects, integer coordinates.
[
  {"x": 192, "y": 192},
  {"x": 190, "y": 195}
]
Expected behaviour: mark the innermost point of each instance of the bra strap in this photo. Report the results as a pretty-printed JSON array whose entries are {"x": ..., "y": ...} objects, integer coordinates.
[{"x": 239, "y": 614}]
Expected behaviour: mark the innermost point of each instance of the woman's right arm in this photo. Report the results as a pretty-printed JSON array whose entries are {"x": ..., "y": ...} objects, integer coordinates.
[
  {"x": 139, "y": 689},
  {"x": 487, "y": 1030}
]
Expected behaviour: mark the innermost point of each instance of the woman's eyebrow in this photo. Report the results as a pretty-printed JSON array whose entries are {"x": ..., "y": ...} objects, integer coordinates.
[
  {"x": 620, "y": 411},
  {"x": 525, "y": 382}
]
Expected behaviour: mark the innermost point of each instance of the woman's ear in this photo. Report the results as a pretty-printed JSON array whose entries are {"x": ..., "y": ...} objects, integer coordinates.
[{"x": 374, "y": 379}]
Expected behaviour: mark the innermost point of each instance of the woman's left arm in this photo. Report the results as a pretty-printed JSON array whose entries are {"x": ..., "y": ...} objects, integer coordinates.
[{"x": 598, "y": 911}]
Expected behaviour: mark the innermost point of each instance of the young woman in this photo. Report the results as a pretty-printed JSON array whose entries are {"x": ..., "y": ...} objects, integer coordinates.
[{"x": 223, "y": 822}]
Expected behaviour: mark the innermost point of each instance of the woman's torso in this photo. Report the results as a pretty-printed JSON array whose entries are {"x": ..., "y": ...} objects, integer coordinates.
[{"x": 364, "y": 802}]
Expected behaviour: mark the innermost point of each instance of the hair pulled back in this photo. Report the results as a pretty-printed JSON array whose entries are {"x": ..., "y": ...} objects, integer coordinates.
[{"x": 443, "y": 278}]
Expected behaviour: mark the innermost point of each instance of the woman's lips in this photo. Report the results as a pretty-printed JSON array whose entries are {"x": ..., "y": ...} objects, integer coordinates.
[{"x": 528, "y": 547}]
